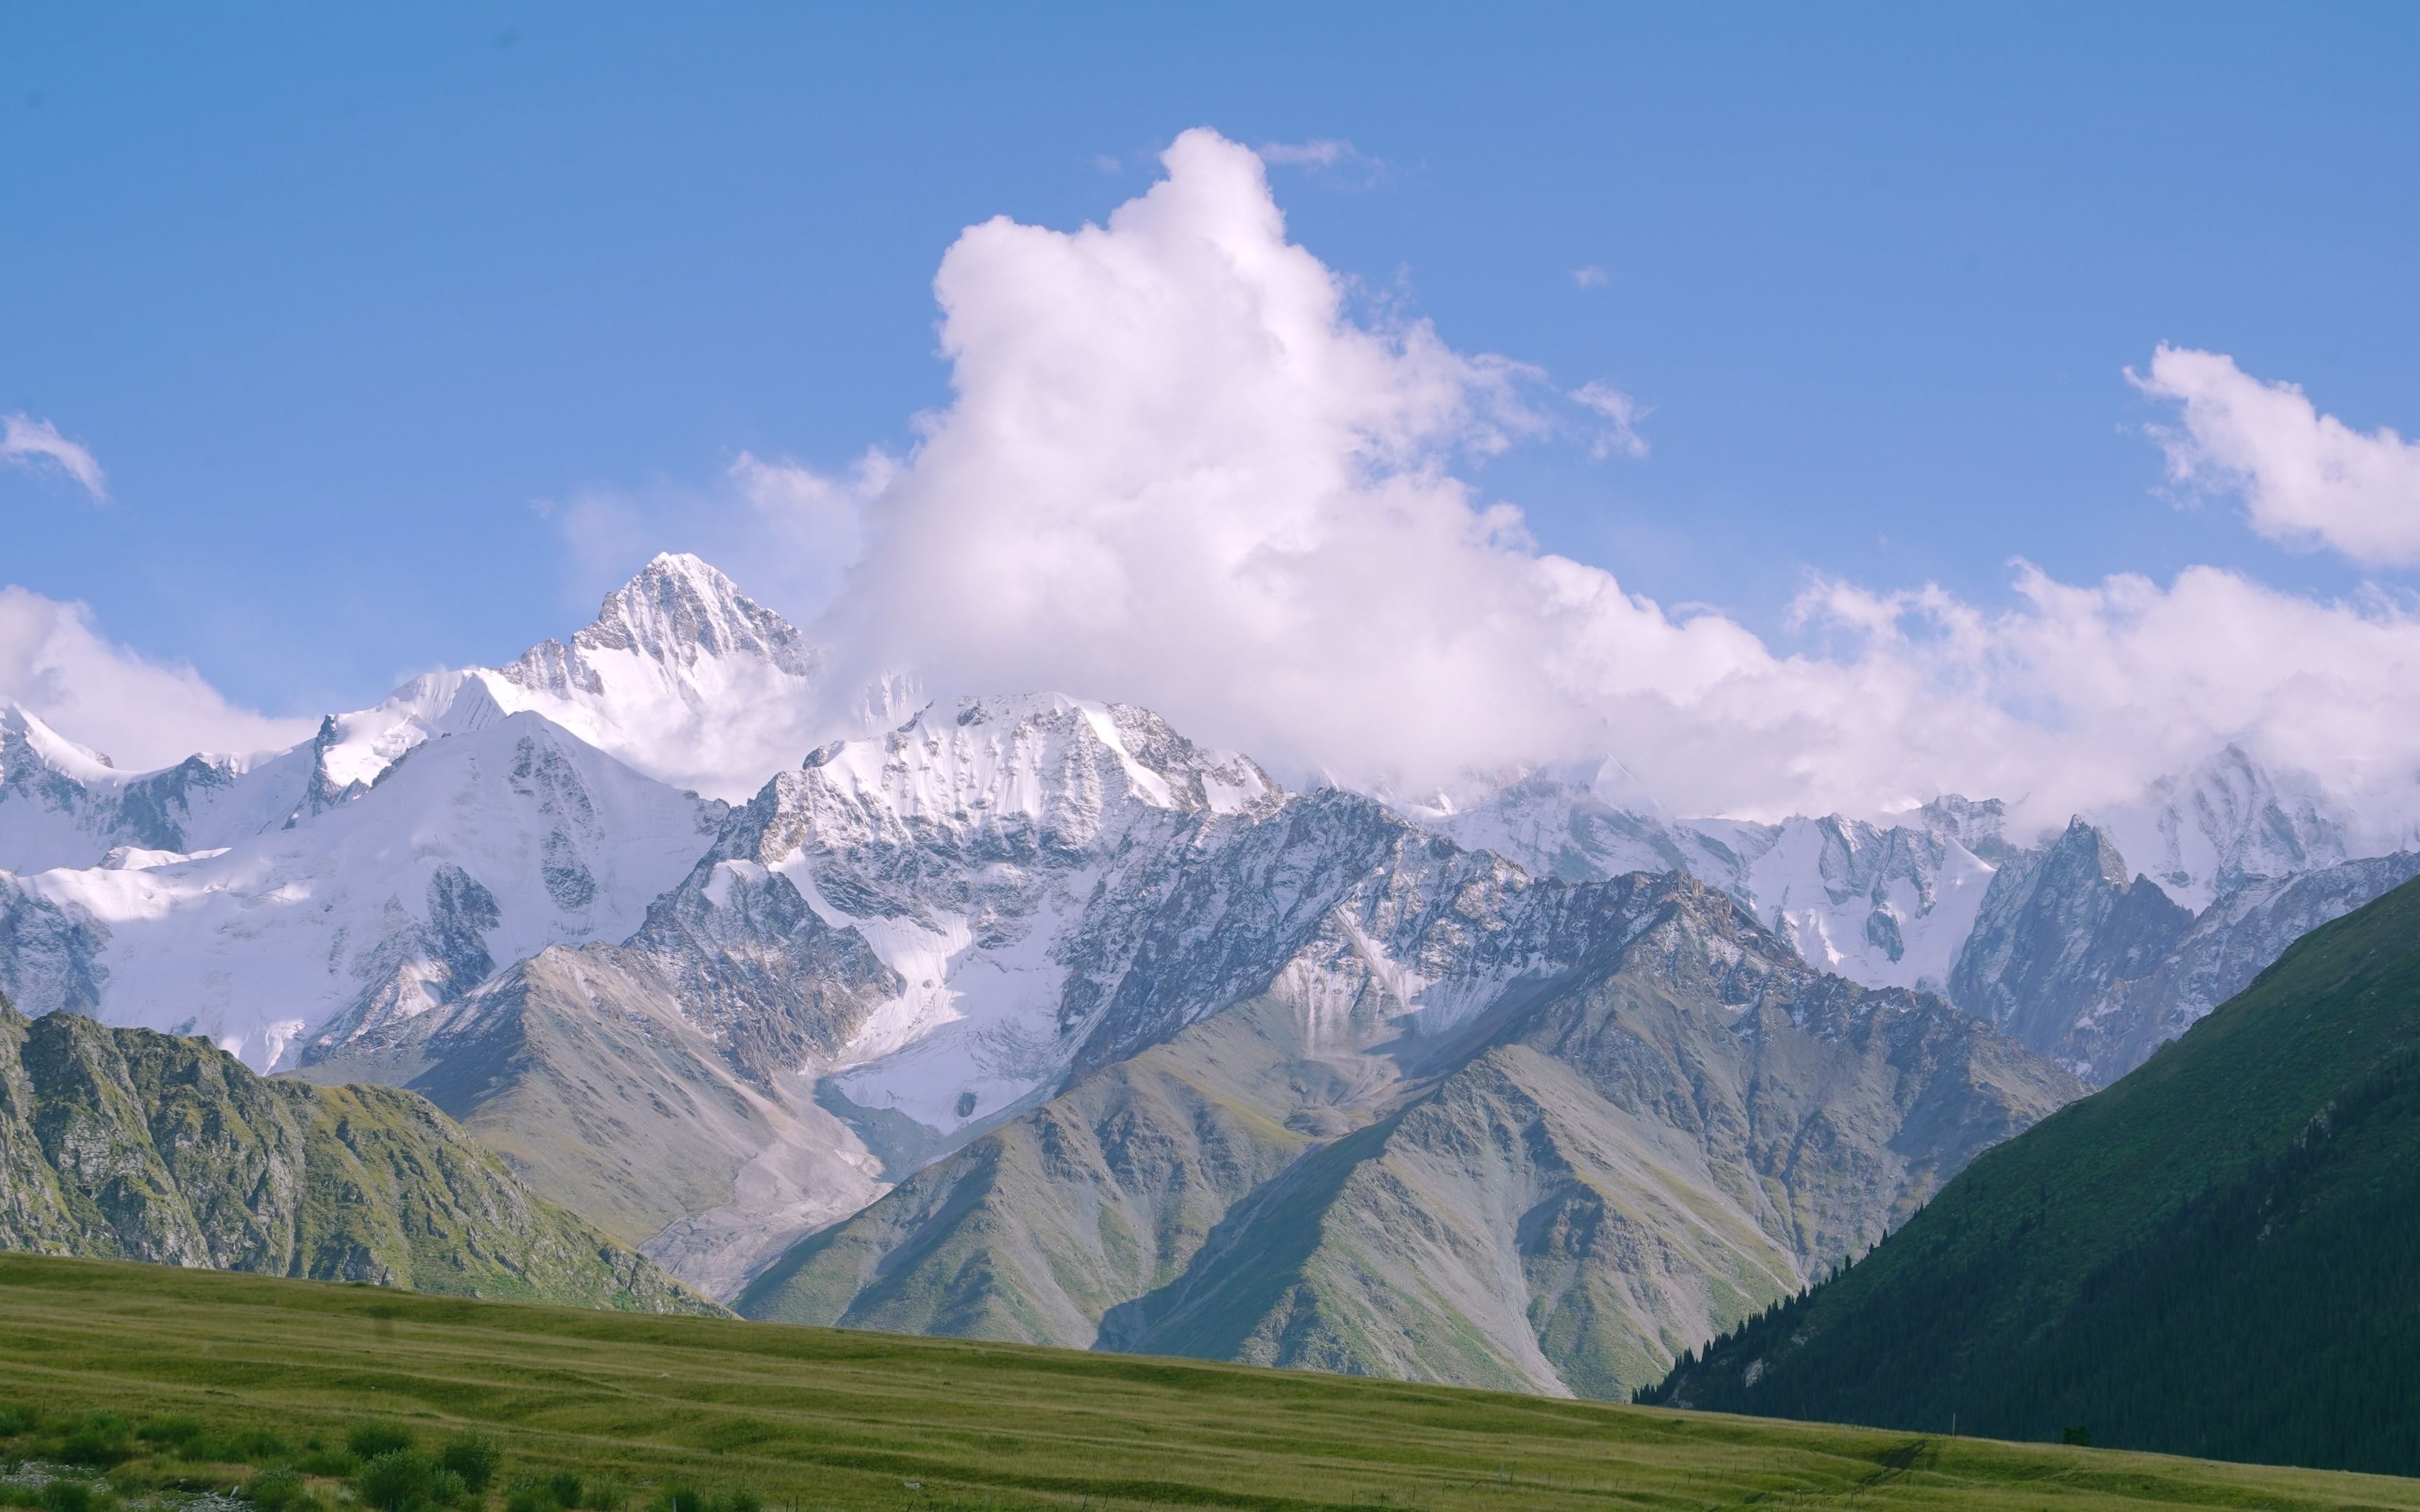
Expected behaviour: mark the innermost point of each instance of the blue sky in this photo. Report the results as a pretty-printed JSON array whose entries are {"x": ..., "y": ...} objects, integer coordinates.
[{"x": 340, "y": 300}]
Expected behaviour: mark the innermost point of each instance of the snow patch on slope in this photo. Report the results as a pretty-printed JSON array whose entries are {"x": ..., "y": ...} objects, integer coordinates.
[{"x": 964, "y": 847}]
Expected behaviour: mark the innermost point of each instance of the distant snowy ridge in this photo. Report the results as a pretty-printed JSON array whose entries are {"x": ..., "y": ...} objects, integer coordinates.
[
  {"x": 2061, "y": 940},
  {"x": 64, "y": 805},
  {"x": 479, "y": 849},
  {"x": 684, "y": 679},
  {"x": 1886, "y": 907}
]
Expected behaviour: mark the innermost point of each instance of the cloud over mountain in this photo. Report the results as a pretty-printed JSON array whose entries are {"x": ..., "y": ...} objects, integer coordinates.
[
  {"x": 1179, "y": 469},
  {"x": 54, "y": 661}
]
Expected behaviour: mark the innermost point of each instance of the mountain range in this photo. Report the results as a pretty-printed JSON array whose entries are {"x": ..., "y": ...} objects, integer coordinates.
[{"x": 1026, "y": 1016}]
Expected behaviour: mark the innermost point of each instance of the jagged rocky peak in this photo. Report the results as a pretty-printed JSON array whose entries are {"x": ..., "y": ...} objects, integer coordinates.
[
  {"x": 678, "y": 611},
  {"x": 2086, "y": 846},
  {"x": 2199, "y": 831},
  {"x": 2058, "y": 928},
  {"x": 1981, "y": 824}
]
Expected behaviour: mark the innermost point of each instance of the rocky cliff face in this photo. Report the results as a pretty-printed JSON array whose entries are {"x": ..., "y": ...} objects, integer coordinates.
[
  {"x": 128, "y": 1144},
  {"x": 2232, "y": 943},
  {"x": 2058, "y": 928}
]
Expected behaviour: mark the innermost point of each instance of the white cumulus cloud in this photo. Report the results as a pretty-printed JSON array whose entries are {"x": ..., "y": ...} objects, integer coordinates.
[
  {"x": 141, "y": 713},
  {"x": 2308, "y": 479},
  {"x": 37, "y": 443},
  {"x": 1178, "y": 469}
]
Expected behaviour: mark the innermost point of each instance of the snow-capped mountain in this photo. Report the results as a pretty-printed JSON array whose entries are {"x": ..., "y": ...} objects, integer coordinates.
[
  {"x": 913, "y": 939},
  {"x": 2060, "y": 941},
  {"x": 681, "y": 676},
  {"x": 718, "y": 1030},
  {"x": 910, "y": 933},
  {"x": 478, "y": 849},
  {"x": 2202, "y": 831},
  {"x": 1886, "y": 907},
  {"x": 62, "y": 804},
  {"x": 967, "y": 848}
]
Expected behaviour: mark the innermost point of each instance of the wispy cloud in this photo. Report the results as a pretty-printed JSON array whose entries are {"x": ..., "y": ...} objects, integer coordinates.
[
  {"x": 2308, "y": 479},
  {"x": 1622, "y": 414},
  {"x": 38, "y": 445},
  {"x": 1330, "y": 160},
  {"x": 1591, "y": 277}
]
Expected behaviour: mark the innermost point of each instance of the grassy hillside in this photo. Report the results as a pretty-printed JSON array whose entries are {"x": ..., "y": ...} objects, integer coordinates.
[
  {"x": 2219, "y": 1253},
  {"x": 127, "y": 1144},
  {"x": 815, "y": 1419}
]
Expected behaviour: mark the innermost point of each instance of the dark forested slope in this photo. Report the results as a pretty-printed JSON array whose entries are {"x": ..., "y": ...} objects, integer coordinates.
[{"x": 2219, "y": 1255}]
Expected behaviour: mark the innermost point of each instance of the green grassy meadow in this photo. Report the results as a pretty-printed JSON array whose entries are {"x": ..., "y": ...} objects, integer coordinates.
[{"x": 816, "y": 1418}]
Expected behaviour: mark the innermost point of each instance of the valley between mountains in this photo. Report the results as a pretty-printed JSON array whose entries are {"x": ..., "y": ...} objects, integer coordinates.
[{"x": 1026, "y": 1018}]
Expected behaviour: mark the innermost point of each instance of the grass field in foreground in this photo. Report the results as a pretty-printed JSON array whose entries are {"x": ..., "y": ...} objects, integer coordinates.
[{"x": 816, "y": 1418}]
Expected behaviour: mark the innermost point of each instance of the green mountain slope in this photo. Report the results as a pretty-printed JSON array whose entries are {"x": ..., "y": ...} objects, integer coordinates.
[
  {"x": 1556, "y": 1193},
  {"x": 2218, "y": 1255},
  {"x": 128, "y": 1144}
]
